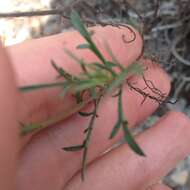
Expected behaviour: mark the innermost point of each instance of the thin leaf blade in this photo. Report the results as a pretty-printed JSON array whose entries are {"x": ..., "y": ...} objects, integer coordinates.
[
  {"x": 85, "y": 114},
  {"x": 83, "y": 46},
  {"x": 77, "y": 23},
  {"x": 130, "y": 140},
  {"x": 115, "y": 130},
  {"x": 74, "y": 148},
  {"x": 130, "y": 70},
  {"x": 28, "y": 128}
]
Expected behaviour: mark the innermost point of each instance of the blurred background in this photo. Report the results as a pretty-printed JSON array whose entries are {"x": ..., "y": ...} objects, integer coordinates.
[{"x": 165, "y": 25}]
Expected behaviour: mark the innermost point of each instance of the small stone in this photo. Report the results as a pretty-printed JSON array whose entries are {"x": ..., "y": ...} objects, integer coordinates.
[{"x": 180, "y": 178}]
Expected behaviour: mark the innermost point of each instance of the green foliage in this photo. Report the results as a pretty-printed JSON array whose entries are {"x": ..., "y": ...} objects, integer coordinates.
[
  {"x": 77, "y": 23},
  {"x": 120, "y": 79},
  {"x": 97, "y": 79},
  {"x": 30, "y": 128},
  {"x": 130, "y": 140},
  {"x": 39, "y": 87},
  {"x": 74, "y": 148}
]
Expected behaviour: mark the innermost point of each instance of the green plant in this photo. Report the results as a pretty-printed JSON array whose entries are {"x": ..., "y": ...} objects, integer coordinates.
[{"x": 97, "y": 79}]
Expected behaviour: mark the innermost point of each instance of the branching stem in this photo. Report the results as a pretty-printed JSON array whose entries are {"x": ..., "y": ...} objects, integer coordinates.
[{"x": 88, "y": 137}]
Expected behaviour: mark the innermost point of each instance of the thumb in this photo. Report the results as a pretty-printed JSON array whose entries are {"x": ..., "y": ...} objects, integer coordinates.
[{"x": 9, "y": 138}]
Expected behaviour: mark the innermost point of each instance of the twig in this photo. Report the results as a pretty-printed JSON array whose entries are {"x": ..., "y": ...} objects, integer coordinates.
[
  {"x": 157, "y": 6},
  {"x": 88, "y": 137},
  {"x": 32, "y": 13},
  {"x": 176, "y": 54}
]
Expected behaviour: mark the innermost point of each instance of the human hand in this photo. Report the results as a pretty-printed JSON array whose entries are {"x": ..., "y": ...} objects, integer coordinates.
[{"x": 38, "y": 162}]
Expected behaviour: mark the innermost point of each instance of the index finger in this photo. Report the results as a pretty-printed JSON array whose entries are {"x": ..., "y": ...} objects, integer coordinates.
[{"x": 32, "y": 65}]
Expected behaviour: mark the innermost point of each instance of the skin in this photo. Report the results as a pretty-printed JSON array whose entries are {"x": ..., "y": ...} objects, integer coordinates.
[{"x": 36, "y": 161}]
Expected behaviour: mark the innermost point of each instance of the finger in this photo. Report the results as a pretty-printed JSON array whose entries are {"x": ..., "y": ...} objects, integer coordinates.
[
  {"x": 9, "y": 143},
  {"x": 32, "y": 64},
  {"x": 159, "y": 187},
  {"x": 165, "y": 145},
  {"x": 64, "y": 165}
]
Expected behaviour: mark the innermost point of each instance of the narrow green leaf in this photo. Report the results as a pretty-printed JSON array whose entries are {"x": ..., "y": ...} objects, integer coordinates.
[
  {"x": 118, "y": 80},
  {"x": 81, "y": 62},
  {"x": 30, "y": 88},
  {"x": 65, "y": 90},
  {"x": 30, "y": 128},
  {"x": 130, "y": 70},
  {"x": 110, "y": 64},
  {"x": 120, "y": 108},
  {"x": 86, "y": 130},
  {"x": 63, "y": 73},
  {"x": 84, "y": 158},
  {"x": 115, "y": 129},
  {"x": 136, "y": 69},
  {"x": 93, "y": 93},
  {"x": 106, "y": 68},
  {"x": 114, "y": 59},
  {"x": 73, "y": 56},
  {"x": 74, "y": 148},
  {"x": 83, "y": 46},
  {"x": 78, "y": 97},
  {"x": 60, "y": 71},
  {"x": 96, "y": 51},
  {"x": 85, "y": 114},
  {"x": 88, "y": 84},
  {"x": 130, "y": 140},
  {"x": 77, "y": 23},
  {"x": 120, "y": 115}
]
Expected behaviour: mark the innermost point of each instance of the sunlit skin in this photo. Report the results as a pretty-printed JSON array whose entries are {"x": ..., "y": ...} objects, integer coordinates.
[{"x": 37, "y": 162}]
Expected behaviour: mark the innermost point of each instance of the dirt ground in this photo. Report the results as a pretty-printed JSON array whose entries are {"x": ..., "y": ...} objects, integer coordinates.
[{"x": 166, "y": 28}]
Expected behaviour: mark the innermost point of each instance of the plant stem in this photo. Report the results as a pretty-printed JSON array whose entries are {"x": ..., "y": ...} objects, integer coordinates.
[
  {"x": 25, "y": 89},
  {"x": 87, "y": 140}
]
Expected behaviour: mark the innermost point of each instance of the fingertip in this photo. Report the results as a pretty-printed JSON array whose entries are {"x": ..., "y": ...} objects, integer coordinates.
[
  {"x": 154, "y": 87},
  {"x": 159, "y": 77},
  {"x": 180, "y": 116},
  {"x": 125, "y": 42}
]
